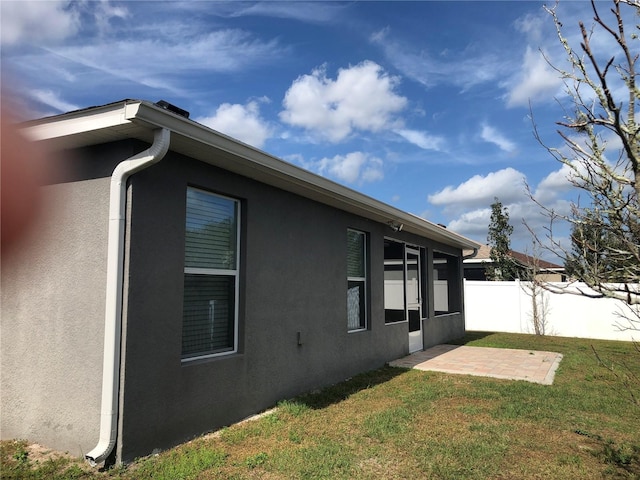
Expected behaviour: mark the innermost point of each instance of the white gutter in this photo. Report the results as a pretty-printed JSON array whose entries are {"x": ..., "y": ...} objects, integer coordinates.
[
  {"x": 271, "y": 170},
  {"x": 115, "y": 278},
  {"x": 133, "y": 118}
]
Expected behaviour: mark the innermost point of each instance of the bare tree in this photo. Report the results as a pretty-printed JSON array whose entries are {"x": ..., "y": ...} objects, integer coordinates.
[
  {"x": 601, "y": 150},
  {"x": 534, "y": 285}
]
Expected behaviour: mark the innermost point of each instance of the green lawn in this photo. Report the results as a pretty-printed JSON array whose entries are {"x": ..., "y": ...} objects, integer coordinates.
[{"x": 398, "y": 424}]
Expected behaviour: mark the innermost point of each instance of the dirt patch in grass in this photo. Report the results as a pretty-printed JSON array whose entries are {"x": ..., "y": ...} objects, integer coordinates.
[
  {"x": 21, "y": 450},
  {"x": 40, "y": 454},
  {"x": 22, "y": 460}
]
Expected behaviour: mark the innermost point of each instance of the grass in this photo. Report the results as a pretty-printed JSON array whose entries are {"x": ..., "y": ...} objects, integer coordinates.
[{"x": 396, "y": 424}]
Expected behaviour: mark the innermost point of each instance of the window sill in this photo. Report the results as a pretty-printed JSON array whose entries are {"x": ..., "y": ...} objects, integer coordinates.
[
  {"x": 396, "y": 323},
  {"x": 210, "y": 357},
  {"x": 358, "y": 330}
]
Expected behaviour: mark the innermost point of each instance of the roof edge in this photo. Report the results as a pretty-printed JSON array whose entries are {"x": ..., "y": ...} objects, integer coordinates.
[
  {"x": 151, "y": 113},
  {"x": 151, "y": 116}
]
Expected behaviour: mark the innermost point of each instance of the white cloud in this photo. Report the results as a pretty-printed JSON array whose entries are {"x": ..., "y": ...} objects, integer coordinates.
[
  {"x": 105, "y": 12},
  {"x": 220, "y": 51},
  {"x": 354, "y": 167},
  {"x": 43, "y": 22},
  {"x": 533, "y": 26},
  {"x": 491, "y": 135},
  {"x": 168, "y": 64},
  {"x": 53, "y": 100},
  {"x": 506, "y": 184},
  {"x": 312, "y": 12},
  {"x": 372, "y": 171},
  {"x": 470, "y": 205},
  {"x": 477, "y": 65},
  {"x": 574, "y": 173},
  {"x": 536, "y": 81},
  {"x": 554, "y": 184},
  {"x": 474, "y": 223},
  {"x": 242, "y": 122},
  {"x": 381, "y": 36},
  {"x": 362, "y": 97},
  {"x": 33, "y": 22},
  {"x": 422, "y": 139},
  {"x": 569, "y": 174}
]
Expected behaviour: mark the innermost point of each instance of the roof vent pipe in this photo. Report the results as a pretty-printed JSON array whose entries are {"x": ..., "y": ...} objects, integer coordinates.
[
  {"x": 172, "y": 108},
  {"x": 113, "y": 308}
]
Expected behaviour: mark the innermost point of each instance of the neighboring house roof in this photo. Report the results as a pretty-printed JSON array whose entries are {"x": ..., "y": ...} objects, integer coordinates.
[
  {"x": 137, "y": 119},
  {"x": 484, "y": 255}
]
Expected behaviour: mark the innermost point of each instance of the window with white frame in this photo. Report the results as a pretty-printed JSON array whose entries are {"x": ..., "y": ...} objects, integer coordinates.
[
  {"x": 210, "y": 306},
  {"x": 356, "y": 280}
]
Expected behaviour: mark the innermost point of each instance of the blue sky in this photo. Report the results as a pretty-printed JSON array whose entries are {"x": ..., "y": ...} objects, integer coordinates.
[{"x": 422, "y": 105}]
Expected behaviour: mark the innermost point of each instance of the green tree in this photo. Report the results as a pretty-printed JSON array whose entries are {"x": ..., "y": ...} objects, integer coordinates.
[{"x": 502, "y": 266}]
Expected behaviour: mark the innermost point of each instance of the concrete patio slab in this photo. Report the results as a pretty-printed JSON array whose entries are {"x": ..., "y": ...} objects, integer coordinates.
[{"x": 507, "y": 363}]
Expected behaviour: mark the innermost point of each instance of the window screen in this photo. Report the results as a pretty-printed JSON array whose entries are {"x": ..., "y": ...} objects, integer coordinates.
[
  {"x": 446, "y": 283},
  {"x": 209, "y": 325},
  {"x": 395, "y": 309},
  {"x": 211, "y": 231},
  {"x": 356, "y": 280}
]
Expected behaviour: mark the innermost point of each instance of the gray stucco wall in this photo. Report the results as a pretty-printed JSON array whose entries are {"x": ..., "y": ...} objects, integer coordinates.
[
  {"x": 293, "y": 279},
  {"x": 52, "y": 333},
  {"x": 442, "y": 329},
  {"x": 52, "y": 310}
]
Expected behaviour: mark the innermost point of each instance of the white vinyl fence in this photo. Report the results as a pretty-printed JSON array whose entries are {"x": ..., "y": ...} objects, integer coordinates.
[{"x": 507, "y": 307}]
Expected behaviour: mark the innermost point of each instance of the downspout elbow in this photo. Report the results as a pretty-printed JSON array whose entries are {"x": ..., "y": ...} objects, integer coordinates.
[
  {"x": 115, "y": 279},
  {"x": 471, "y": 255}
]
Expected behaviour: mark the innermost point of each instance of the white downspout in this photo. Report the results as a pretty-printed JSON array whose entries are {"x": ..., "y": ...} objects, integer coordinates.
[{"x": 115, "y": 279}]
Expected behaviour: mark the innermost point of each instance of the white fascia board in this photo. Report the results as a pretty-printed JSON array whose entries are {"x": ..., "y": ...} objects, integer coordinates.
[
  {"x": 314, "y": 186},
  {"x": 73, "y": 123},
  {"x": 262, "y": 166}
]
